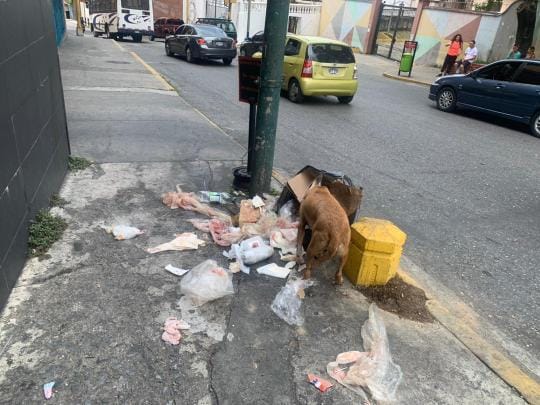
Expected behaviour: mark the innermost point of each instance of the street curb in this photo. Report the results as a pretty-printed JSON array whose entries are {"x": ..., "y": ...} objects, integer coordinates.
[
  {"x": 405, "y": 79},
  {"x": 150, "y": 69},
  {"x": 454, "y": 321}
]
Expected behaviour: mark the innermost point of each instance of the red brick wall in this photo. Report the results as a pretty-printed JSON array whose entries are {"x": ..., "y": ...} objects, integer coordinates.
[{"x": 168, "y": 8}]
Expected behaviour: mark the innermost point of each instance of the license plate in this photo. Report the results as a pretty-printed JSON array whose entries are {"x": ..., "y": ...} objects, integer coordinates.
[
  {"x": 333, "y": 71},
  {"x": 219, "y": 44}
]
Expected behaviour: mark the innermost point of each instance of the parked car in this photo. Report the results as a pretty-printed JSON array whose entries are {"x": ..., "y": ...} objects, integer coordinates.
[
  {"x": 201, "y": 42},
  {"x": 507, "y": 88},
  {"x": 252, "y": 45},
  {"x": 226, "y": 25},
  {"x": 316, "y": 66},
  {"x": 166, "y": 26}
]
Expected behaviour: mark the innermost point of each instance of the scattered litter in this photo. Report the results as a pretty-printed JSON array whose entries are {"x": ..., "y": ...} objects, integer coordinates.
[
  {"x": 200, "y": 224},
  {"x": 190, "y": 202},
  {"x": 222, "y": 232},
  {"x": 172, "y": 329},
  {"x": 214, "y": 197},
  {"x": 248, "y": 213},
  {"x": 290, "y": 265},
  {"x": 234, "y": 267},
  {"x": 287, "y": 258},
  {"x": 48, "y": 390},
  {"x": 183, "y": 241},
  {"x": 372, "y": 369},
  {"x": 321, "y": 384},
  {"x": 287, "y": 244},
  {"x": 287, "y": 303},
  {"x": 250, "y": 251},
  {"x": 175, "y": 270},
  {"x": 287, "y": 211},
  {"x": 274, "y": 270},
  {"x": 123, "y": 232},
  {"x": 257, "y": 202},
  {"x": 206, "y": 282}
]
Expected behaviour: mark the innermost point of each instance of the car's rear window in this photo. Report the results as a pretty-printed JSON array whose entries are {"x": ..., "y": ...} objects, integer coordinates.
[
  {"x": 226, "y": 26},
  {"x": 330, "y": 53},
  {"x": 211, "y": 32}
]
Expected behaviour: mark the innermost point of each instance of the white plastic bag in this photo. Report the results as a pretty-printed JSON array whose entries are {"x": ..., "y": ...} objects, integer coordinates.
[
  {"x": 274, "y": 270},
  {"x": 372, "y": 369},
  {"x": 288, "y": 301},
  {"x": 250, "y": 251},
  {"x": 123, "y": 232},
  {"x": 206, "y": 282}
]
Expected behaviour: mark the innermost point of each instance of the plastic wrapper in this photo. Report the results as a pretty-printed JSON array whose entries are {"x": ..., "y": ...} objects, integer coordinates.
[
  {"x": 183, "y": 241},
  {"x": 288, "y": 301},
  {"x": 250, "y": 251},
  {"x": 372, "y": 369},
  {"x": 285, "y": 240},
  {"x": 206, "y": 282},
  {"x": 123, "y": 232},
  {"x": 190, "y": 202}
]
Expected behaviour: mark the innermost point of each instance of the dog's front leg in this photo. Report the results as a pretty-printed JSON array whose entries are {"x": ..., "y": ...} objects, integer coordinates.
[{"x": 300, "y": 241}]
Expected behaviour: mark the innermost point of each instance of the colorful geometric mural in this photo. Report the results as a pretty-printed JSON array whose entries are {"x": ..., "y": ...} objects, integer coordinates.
[
  {"x": 346, "y": 20},
  {"x": 494, "y": 33}
]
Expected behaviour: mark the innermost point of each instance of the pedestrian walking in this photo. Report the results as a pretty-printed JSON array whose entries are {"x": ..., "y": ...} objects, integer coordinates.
[
  {"x": 471, "y": 53},
  {"x": 530, "y": 53},
  {"x": 454, "y": 50},
  {"x": 514, "y": 53}
]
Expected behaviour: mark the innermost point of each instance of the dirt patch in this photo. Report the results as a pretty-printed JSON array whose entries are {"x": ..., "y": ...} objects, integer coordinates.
[{"x": 400, "y": 298}]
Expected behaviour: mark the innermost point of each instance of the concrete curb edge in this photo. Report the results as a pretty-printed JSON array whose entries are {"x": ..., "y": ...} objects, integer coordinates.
[{"x": 405, "y": 79}]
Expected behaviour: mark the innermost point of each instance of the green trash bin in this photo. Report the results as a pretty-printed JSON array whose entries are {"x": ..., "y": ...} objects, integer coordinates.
[{"x": 406, "y": 63}]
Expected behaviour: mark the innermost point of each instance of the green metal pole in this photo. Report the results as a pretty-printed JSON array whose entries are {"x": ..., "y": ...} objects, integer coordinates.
[{"x": 277, "y": 17}]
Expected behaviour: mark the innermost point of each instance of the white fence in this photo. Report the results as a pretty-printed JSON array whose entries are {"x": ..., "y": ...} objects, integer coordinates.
[{"x": 304, "y": 17}]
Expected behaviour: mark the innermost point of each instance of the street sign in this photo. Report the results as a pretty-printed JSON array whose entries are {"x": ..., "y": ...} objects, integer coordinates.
[{"x": 249, "y": 77}]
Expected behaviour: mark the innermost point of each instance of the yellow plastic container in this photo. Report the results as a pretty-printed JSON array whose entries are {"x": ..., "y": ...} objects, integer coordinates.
[{"x": 374, "y": 252}]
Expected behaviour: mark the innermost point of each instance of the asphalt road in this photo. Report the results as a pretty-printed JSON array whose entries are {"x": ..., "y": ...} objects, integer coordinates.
[{"x": 465, "y": 187}]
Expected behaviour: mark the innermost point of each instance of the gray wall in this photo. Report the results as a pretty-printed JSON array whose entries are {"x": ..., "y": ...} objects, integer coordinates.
[{"x": 33, "y": 134}]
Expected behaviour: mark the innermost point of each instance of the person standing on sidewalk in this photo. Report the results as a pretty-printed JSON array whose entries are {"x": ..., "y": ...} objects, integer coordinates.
[
  {"x": 514, "y": 53},
  {"x": 471, "y": 53},
  {"x": 454, "y": 49}
]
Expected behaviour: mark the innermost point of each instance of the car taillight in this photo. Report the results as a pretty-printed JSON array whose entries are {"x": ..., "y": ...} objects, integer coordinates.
[
  {"x": 307, "y": 70},
  {"x": 355, "y": 74},
  {"x": 201, "y": 41}
]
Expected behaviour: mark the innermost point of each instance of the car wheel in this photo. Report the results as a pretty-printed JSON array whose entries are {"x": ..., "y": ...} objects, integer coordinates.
[
  {"x": 137, "y": 37},
  {"x": 189, "y": 55},
  {"x": 446, "y": 99},
  {"x": 152, "y": 38},
  {"x": 295, "y": 92},
  {"x": 227, "y": 61},
  {"x": 168, "y": 49},
  {"x": 535, "y": 124},
  {"x": 345, "y": 99}
]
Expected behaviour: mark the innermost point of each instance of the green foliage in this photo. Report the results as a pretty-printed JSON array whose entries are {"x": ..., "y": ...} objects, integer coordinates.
[
  {"x": 57, "y": 201},
  {"x": 489, "y": 5},
  {"x": 44, "y": 230},
  {"x": 78, "y": 163}
]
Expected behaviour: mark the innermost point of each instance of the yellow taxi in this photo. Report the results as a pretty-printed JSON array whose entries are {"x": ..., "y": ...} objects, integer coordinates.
[{"x": 316, "y": 66}]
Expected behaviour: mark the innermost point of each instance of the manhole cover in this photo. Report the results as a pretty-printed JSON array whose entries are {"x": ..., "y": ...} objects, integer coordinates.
[{"x": 118, "y": 62}]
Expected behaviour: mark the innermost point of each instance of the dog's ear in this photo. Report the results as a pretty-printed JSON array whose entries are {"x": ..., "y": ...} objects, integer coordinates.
[{"x": 318, "y": 181}]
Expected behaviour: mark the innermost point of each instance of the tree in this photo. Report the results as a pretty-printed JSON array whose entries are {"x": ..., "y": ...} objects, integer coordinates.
[{"x": 526, "y": 15}]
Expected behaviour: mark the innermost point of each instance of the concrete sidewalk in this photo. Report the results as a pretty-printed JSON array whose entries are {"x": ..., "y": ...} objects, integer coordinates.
[
  {"x": 89, "y": 314},
  {"x": 424, "y": 75}
]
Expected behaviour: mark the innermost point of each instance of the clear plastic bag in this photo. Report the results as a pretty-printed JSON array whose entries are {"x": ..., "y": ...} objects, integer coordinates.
[
  {"x": 288, "y": 301},
  {"x": 372, "y": 369},
  {"x": 250, "y": 251},
  {"x": 206, "y": 282}
]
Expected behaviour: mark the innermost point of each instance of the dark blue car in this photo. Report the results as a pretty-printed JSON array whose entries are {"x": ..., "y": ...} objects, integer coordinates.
[{"x": 507, "y": 88}]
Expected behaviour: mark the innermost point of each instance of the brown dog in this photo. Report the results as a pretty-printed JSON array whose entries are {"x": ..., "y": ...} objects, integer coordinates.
[{"x": 330, "y": 231}]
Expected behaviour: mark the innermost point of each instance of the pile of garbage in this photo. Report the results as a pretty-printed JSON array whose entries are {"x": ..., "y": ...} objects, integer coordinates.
[{"x": 262, "y": 226}]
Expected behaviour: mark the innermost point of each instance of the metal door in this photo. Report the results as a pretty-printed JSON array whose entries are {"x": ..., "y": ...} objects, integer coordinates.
[{"x": 393, "y": 29}]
